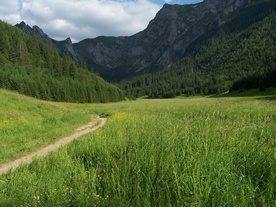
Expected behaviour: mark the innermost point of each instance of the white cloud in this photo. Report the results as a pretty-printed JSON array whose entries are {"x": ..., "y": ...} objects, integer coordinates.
[
  {"x": 81, "y": 19},
  {"x": 9, "y": 10}
]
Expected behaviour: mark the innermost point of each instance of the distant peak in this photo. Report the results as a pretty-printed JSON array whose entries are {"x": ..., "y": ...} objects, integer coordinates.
[
  {"x": 23, "y": 23},
  {"x": 23, "y": 26},
  {"x": 68, "y": 40},
  {"x": 39, "y": 31}
]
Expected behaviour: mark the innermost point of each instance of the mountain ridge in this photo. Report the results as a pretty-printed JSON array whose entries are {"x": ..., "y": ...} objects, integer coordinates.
[
  {"x": 32, "y": 67},
  {"x": 161, "y": 44},
  {"x": 237, "y": 56}
]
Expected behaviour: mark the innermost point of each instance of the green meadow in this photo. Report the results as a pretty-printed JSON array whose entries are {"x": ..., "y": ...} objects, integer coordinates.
[
  {"x": 197, "y": 151},
  {"x": 27, "y": 124}
]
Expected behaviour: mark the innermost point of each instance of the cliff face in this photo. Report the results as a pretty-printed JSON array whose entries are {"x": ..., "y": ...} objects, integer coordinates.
[
  {"x": 65, "y": 46},
  {"x": 163, "y": 42}
]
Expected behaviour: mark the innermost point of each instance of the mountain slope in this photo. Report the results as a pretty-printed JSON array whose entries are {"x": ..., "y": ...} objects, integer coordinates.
[
  {"x": 243, "y": 46},
  {"x": 65, "y": 46},
  {"x": 161, "y": 44},
  {"x": 34, "y": 68}
]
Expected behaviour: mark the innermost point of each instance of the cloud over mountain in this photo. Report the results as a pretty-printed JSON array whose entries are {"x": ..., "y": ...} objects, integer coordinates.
[{"x": 81, "y": 19}]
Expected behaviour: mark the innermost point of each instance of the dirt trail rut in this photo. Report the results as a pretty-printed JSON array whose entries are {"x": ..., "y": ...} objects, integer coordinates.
[{"x": 90, "y": 127}]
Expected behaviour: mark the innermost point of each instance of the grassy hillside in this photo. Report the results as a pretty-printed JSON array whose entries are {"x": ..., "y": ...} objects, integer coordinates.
[
  {"x": 174, "y": 152},
  {"x": 34, "y": 68}
]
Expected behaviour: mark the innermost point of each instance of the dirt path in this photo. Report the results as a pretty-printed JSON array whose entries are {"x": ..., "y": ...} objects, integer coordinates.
[{"x": 90, "y": 127}]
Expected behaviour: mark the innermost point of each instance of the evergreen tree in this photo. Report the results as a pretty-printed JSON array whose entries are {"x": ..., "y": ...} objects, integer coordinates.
[{"x": 34, "y": 68}]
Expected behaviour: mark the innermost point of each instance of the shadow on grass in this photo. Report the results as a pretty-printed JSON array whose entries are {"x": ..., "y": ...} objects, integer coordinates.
[
  {"x": 268, "y": 94},
  {"x": 272, "y": 98}
]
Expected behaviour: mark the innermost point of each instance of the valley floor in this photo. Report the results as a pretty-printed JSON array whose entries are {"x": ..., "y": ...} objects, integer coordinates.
[
  {"x": 196, "y": 151},
  {"x": 90, "y": 127}
]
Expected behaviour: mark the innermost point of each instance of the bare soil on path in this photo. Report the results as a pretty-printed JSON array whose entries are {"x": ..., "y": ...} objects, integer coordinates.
[{"x": 90, "y": 127}]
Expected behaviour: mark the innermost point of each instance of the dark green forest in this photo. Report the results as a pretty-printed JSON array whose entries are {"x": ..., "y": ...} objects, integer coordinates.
[
  {"x": 240, "y": 54},
  {"x": 31, "y": 67}
]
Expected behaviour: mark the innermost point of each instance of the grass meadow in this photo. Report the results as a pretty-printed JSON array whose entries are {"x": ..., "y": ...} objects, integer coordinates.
[
  {"x": 27, "y": 124},
  {"x": 176, "y": 152}
]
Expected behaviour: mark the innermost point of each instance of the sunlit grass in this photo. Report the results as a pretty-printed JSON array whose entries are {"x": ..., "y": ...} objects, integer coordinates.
[
  {"x": 27, "y": 123},
  {"x": 177, "y": 152}
]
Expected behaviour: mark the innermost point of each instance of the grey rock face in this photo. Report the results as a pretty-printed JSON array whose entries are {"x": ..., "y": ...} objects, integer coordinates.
[
  {"x": 35, "y": 31},
  {"x": 65, "y": 46},
  {"x": 163, "y": 42},
  {"x": 165, "y": 39}
]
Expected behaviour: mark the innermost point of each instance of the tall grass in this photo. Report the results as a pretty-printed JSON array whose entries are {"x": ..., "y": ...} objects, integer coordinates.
[
  {"x": 27, "y": 124},
  {"x": 179, "y": 152}
]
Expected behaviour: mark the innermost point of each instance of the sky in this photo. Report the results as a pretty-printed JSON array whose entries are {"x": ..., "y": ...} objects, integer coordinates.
[{"x": 80, "y": 19}]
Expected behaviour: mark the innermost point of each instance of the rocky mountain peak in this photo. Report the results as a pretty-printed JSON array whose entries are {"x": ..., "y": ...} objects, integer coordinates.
[
  {"x": 68, "y": 41},
  {"x": 162, "y": 43},
  {"x": 65, "y": 46},
  {"x": 224, "y": 6},
  {"x": 36, "y": 32}
]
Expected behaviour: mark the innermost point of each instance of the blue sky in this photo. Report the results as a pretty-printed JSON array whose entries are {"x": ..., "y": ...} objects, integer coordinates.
[{"x": 80, "y": 19}]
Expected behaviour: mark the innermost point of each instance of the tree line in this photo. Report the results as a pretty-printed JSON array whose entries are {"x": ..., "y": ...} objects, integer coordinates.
[
  {"x": 261, "y": 81},
  {"x": 32, "y": 67}
]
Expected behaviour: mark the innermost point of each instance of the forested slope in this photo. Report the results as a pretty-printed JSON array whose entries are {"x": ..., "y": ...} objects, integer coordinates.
[
  {"x": 242, "y": 47},
  {"x": 31, "y": 67}
]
